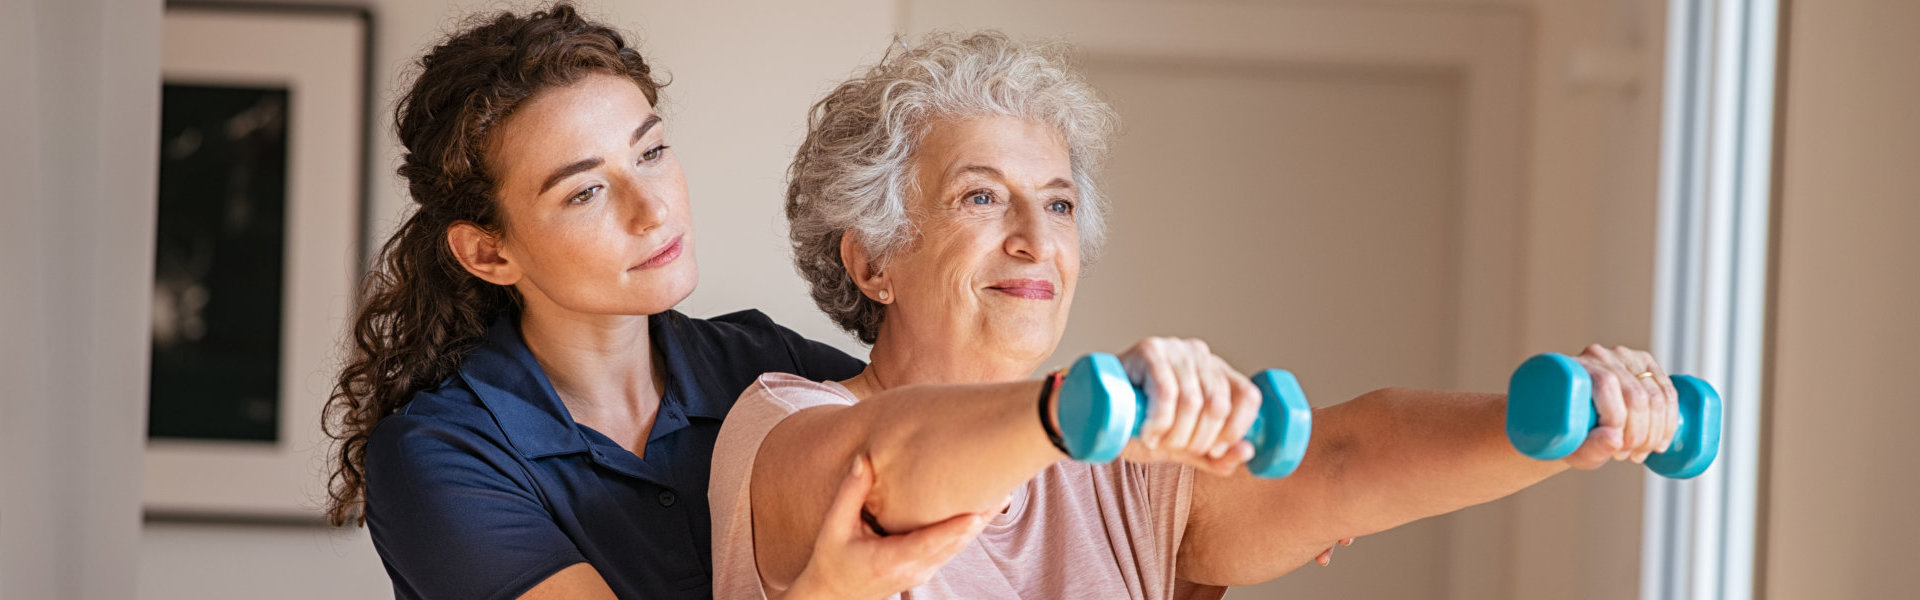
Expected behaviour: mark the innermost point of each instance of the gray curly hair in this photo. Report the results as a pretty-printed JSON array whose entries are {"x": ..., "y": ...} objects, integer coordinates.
[{"x": 855, "y": 170}]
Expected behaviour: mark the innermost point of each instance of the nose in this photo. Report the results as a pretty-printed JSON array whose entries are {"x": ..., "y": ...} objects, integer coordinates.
[
  {"x": 642, "y": 206},
  {"x": 1028, "y": 235}
]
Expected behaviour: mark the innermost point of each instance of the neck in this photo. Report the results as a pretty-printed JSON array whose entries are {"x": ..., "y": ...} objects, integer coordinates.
[
  {"x": 602, "y": 366},
  {"x": 902, "y": 360}
]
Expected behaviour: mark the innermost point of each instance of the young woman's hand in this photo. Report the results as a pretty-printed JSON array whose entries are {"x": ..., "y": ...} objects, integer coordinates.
[
  {"x": 1326, "y": 556},
  {"x": 1198, "y": 407},
  {"x": 1638, "y": 406},
  {"x": 851, "y": 561}
]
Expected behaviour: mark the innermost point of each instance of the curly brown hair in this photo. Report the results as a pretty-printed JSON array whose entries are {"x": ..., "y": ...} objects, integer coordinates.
[{"x": 420, "y": 313}]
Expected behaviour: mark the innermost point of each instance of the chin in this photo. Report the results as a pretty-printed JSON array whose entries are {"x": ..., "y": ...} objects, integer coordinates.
[
  {"x": 1027, "y": 345},
  {"x": 668, "y": 295},
  {"x": 652, "y": 296}
]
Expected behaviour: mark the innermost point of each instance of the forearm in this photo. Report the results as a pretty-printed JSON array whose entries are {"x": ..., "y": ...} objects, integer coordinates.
[
  {"x": 940, "y": 451},
  {"x": 1384, "y": 459},
  {"x": 1399, "y": 455}
]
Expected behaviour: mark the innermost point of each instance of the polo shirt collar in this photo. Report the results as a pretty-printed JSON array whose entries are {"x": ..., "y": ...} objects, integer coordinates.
[
  {"x": 510, "y": 383},
  {"x": 689, "y": 359}
]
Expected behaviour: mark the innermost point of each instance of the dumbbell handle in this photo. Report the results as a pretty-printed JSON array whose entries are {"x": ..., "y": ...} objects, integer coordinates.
[
  {"x": 1254, "y": 431},
  {"x": 1100, "y": 410},
  {"x": 1550, "y": 412}
]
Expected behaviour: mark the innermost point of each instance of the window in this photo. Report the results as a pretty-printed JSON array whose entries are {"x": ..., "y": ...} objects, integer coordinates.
[{"x": 1711, "y": 291}]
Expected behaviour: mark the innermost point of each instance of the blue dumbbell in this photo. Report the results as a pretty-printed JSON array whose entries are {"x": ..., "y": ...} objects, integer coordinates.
[
  {"x": 1550, "y": 410},
  {"x": 1100, "y": 410}
]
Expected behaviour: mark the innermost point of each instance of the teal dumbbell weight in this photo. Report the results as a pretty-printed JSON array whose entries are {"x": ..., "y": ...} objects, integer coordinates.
[
  {"x": 1100, "y": 410},
  {"x": 1550, "y": 410}
]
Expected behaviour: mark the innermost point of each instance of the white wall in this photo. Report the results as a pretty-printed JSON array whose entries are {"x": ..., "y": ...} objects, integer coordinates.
[
  {"x": 1842, "y": 485},
  {"x": 78, "y": 154}
]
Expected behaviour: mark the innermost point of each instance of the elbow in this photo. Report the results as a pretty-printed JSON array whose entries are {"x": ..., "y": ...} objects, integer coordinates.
[{"x": 906, "y": 493}]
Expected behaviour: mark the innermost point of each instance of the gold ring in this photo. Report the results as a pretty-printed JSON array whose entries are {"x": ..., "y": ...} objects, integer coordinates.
[{"x": 1645, "y": 375}]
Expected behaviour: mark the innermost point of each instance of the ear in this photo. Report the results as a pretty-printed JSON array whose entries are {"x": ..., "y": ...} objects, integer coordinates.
[
  {"x": 480, "y": 253},
  {"x": 872, "y": 282}
]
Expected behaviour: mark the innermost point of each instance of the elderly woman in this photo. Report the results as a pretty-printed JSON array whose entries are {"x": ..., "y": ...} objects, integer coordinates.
[{"x": 942, "y": 206}]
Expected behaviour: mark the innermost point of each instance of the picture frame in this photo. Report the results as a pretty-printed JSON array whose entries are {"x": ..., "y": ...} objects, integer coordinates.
[{"x": 310, "y": 67}]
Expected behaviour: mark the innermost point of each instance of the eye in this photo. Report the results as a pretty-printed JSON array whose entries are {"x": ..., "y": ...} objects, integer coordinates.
[
  {"x": 980, "y": 198},
  {"x": 1061, "y": 207},
  {"x": 584, "y": 196},
  {"x": 653, "y": 154}
]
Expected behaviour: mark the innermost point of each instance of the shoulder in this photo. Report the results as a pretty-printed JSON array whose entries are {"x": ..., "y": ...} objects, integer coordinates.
[
  {"x": 762, "y": 460},
  {"x": 794, "y": 393},
  {"x": 441, "y": 435},
  {"x": 752, "y": 342},
  {"x": 452, "y": 409},
  {"x": 748, "y": 330},
  {"x": 749, "y": 322},
  {"x": 453, "y": 510},
  {"x": 771, "y": 399},
  {"x": 764, "y": 405}
]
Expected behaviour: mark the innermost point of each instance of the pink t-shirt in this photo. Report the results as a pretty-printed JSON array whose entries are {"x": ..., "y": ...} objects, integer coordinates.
[{"x": 1074, "y": 531}]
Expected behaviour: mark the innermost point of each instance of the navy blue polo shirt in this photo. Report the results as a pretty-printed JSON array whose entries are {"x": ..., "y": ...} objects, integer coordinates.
[{"x": 485, "y": 486}]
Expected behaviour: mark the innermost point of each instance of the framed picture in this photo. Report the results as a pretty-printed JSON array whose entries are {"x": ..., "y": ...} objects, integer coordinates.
[{"x": 258, "y": 254}]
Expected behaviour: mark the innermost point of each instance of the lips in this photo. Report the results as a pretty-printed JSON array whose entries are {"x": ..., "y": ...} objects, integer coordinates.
[
  {"x": 664, "y": 256},
  {"x": 1030, "y": 289}
]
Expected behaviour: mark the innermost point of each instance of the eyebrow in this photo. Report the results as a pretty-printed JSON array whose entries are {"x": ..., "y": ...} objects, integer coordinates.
[
  {"x": 1057, "y": 183},
  {"x": 586, "y": 164}
]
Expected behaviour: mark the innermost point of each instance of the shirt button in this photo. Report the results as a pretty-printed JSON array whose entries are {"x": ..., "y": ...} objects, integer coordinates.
[{"x": 666, "y": 498}]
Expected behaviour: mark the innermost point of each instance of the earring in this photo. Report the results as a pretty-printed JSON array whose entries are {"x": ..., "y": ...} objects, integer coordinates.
[{"x": 884, "y": 295}]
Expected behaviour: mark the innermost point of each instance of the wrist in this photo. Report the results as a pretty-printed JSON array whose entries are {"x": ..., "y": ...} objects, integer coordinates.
[
  {"x": 1049, "y": 410},
  {"x": 803, "y": 588}
]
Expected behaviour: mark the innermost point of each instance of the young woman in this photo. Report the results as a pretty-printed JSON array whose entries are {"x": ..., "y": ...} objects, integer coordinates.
[{"x": 523, "y": 413}]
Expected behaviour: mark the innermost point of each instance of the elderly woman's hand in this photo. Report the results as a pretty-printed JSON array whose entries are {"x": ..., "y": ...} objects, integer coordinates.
[
  {"x": 851, "y": 561},
  {"x": 1198, "y": 407},
  {"x": 1638, "y": 407}
]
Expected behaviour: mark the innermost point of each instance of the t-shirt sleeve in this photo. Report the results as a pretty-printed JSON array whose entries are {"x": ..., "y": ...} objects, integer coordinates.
[
  {"x": 1165, "y": 493},
  {"x": 454, "y": 516},
  {"x": 770, "y": 400}
]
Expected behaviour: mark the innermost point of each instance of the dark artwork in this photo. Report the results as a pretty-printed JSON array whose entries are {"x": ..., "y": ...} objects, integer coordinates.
[{"x": 218, "y": 269}]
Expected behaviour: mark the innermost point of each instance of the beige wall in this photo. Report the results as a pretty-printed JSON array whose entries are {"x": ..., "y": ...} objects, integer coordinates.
[
  {"x": 1842, "y": 486},
  {"x": 1593, "y": 200}
]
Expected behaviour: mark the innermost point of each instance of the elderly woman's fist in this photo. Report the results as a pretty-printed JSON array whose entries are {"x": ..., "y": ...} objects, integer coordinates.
[
  {"x": 1638, "y": 406},
  {"x": 1198, "y": 407}
]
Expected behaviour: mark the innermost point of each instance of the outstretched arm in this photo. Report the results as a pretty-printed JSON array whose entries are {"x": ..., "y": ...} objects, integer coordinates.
[
  {"x": 936, "y": 452},
  {"x": 942, "y": 451},
  {"x": 1398, "y": 455}
]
